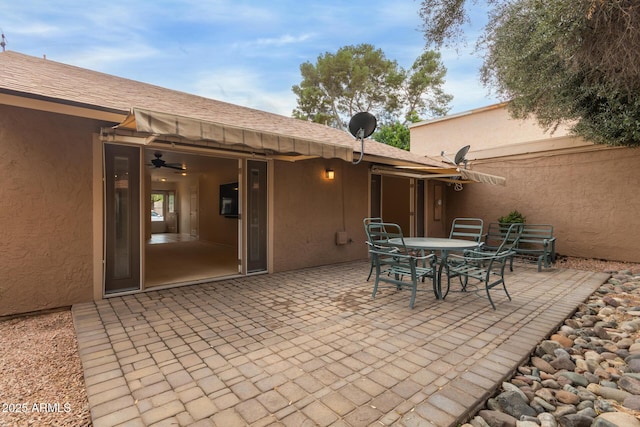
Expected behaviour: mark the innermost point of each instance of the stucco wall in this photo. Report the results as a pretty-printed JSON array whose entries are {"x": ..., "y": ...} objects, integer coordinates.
[
  {"x": 590, "y": 199},
  {"x": 309, "y": 210},
  {"x": 46, "y": 210},
  {"x": 483, "y": 129}
]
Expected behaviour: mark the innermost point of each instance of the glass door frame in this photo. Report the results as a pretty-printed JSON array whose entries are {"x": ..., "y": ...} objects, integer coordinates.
[
  {"x": 136, "y": 257},
  {"x": 246, "y": 217}
]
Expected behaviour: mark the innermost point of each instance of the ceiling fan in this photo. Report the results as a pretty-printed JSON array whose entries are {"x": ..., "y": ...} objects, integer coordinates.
[{"x": 159, "y": 163}]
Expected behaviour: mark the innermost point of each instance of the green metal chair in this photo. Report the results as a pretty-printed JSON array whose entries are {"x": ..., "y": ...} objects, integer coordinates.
[
  {"x": 484, "y": 266},
  {"x": 394, "y": 263},
  {"x": 365, "y": 223},
  {"x": 467, "y": 229}
]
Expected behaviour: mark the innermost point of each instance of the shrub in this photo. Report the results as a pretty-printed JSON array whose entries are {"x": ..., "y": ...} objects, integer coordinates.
[{"x": 513, "y": 217}]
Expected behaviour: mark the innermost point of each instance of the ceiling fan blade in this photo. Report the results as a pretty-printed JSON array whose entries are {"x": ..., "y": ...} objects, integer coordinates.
[{"x": 180, "y": 168}]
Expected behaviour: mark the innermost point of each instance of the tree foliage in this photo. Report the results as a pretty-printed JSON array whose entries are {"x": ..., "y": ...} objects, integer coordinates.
[
  {"x": 361, "y": 78},
  {"x": 571, "y": 61},
  {"x": 396, "y": 134}
]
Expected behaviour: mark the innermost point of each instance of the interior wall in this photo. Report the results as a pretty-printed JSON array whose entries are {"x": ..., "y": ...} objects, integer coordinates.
[
  {"x": 214, "y": 227},
  {"x": 184, "y": 188},
  {"x": 590, "y": 199},
  {"x": 309, "y": 210},
  {"x": 46, "y": 211}
]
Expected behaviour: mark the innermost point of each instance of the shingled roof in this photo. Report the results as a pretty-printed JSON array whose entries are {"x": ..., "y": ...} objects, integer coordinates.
[{"x": 44, "y": 79}]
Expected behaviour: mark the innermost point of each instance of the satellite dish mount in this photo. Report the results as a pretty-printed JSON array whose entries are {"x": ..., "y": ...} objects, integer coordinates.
[
  {"x": 361, "y": 126},
  {"x": 459, "y": 157}
]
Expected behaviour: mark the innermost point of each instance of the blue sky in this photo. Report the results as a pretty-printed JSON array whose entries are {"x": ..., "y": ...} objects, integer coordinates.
[{"x": 240, "y": 51}]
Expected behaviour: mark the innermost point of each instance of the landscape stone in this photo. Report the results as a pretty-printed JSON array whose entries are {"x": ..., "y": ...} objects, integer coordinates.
[
  {"x": 586, "y": 375},
  {"x": 498, "y": 419},
  {"x": 616, "y": 419},
  {"x": 513, "y": 403},
  {"x": 630, "y": 384}
]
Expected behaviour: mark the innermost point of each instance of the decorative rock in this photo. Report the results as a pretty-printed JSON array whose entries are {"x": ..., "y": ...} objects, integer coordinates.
[
  {"x": 498, "y": 419},
  {"x": 515, "y": 404},
  {"x": 510, "y": 387},
  {"x": 586, "y": 396},
  {"x": 575, "y": 420},
  {"x": 547, "y": 395},
  {"x": 633, "y": 365},
  {"x": 543, "y": 403},
  {"x": 550, "y": 346},
  {"x": 630, "y": 384},
  {"x": 478, "y": 421},
  {"x": 551, "y": 384},
  {"x": 592, "y": 355},
  {"x": 632, "y": 402},
  {"x": 565, "y": 363},
  {"x": 564, "y": 410},
  {"x": 626, "y": 342},
  {"x": 567, "y": 397},
  {"x": 609, "y": 393},
  {"x": 562, "y": 340},
  {"x": 588, "y": 412},
  {"x": 575, "y": 378},
  {"x": 616, "y": 419},
  {"x": 606, "y": 311},
  {"x": 589, "y": 366},
  {"x": 611, "y": 301},
  {"x": 547, "y": 420},
  {"x": 601, "y": 332},
  {"x": 543, "y": 365}
]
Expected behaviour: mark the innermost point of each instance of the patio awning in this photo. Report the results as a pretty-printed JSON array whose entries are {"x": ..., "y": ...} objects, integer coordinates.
[
  {"x": 484, "y": 178},
  {"x": 454, "y": 175},
  {"x": 158, "y": 124}
]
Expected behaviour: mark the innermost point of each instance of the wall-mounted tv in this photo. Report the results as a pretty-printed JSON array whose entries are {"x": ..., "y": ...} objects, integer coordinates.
[{"x": 229, "y": 200}]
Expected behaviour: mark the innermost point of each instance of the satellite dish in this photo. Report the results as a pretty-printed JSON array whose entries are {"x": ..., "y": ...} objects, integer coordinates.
[
  {"x": 460, "y": 155},
  {"x": 362, "y": 125}
]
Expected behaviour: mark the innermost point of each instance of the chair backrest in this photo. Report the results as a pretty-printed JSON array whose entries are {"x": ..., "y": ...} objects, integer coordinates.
[
  {"x": 511, "y": 237},
  {"x": 366, "y": 222},
  {"x": 467, "y": 229},
  {"x": 379, "y": 234}
]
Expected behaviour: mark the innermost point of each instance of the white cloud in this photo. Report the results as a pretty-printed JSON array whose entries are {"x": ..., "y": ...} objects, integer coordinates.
[{"x": 244, "y": 87}]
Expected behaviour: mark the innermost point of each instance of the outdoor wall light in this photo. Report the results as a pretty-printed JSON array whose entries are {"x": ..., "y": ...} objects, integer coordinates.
[{"x": 329, "y": 174}]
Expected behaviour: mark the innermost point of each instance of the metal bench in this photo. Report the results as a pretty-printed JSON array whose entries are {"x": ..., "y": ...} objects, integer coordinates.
[{"x": 536, "y": 242}]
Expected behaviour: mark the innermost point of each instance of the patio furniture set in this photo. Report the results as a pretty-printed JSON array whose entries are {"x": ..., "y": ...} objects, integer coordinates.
[{"x": 404, "y": 262}]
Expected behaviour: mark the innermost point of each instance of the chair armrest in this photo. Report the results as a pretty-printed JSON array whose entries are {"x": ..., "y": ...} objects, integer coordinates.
[{"x": 474, "y": 255}]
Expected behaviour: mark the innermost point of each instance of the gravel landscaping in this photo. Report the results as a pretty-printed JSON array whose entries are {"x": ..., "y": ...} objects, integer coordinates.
[{"x": 42, "y": 381}]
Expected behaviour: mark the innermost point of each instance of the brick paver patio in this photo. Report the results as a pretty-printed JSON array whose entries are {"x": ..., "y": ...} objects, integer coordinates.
[{"x": 311, "y": 348}]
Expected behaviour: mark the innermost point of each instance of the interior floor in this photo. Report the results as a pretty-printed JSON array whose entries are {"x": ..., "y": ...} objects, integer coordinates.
[{"x": 178, "y": 258}]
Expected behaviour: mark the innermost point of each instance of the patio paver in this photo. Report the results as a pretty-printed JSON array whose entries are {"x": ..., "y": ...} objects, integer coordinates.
[{"x": 311, "y": 347}]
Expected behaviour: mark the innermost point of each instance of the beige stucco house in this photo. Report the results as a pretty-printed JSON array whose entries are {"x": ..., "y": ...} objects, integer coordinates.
[
  {"x": 588, "y": 192},
  {"x": 90, "y": 210}
]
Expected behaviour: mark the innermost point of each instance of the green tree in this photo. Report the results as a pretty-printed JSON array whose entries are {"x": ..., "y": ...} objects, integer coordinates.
[
  {"x": 561, "y": 61},
  {"x": 361, "y": 78},
  {"x": 396, "y": 134}
]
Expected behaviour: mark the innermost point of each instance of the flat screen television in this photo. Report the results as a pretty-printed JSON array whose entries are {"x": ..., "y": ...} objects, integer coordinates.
[{"x": 229, "y": 199}]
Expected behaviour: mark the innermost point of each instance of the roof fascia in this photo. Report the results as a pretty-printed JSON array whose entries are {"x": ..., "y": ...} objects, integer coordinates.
[{"x": 34, "y": 102}]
